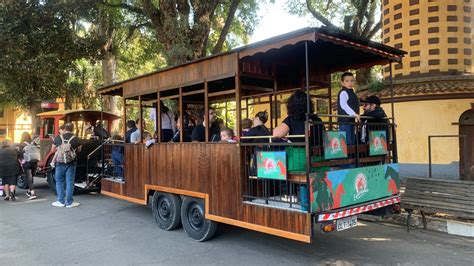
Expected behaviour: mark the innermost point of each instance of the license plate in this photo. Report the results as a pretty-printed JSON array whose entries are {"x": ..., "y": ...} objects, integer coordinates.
[{"x": 346, "y": 223}]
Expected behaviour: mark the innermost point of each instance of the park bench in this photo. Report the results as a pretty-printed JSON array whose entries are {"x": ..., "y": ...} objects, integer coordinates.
[{"x": 454, "y": 197}]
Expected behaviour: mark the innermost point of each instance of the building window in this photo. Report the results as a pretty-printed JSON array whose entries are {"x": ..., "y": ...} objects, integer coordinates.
[
  {"x": 1, "y": 111},
  {"x": 452, "y": 7},
  {"x": 414, "y": 12},
  {"x": 452, "y": 50},
  {"x": 3, "y": 132}
]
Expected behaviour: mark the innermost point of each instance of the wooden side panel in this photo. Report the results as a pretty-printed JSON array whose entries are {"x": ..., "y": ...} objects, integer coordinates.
[
  {"x": 209, "y": 69},
  {"x": 214, "y": 169}
]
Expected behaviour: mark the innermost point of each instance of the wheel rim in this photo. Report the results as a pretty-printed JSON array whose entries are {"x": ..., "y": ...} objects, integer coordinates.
[
  {"x": 21, "y": 180},
  {"x": 195, "y": 217},
  {"x": 164, "y": 209}
]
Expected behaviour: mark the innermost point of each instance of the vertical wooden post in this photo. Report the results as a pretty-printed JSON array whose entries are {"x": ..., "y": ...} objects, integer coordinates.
[
  {"x": 206, "y": 111},
  {"x": 158, "y": 116},
  {"x": 140, "y": 116},
  {"x": 124, "y": 117},
  {"x": 238, "y": 109},
  {"x": 181, "y": 111}
]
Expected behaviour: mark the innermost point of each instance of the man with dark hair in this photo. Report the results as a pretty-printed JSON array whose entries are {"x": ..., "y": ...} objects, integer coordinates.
[
  {"x": 377, "y": 115},
  {"x": 348, "y": 105},
  {"x": 131, "y": 127},
  {"x": 199, "y": 132},
  {"x": 66, "y": 146}
]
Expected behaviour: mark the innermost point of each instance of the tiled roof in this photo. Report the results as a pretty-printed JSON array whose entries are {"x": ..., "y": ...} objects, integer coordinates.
[{"x": 425, "y": 86}]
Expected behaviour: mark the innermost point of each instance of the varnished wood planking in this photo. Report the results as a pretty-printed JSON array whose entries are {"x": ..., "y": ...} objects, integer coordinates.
[
  {"x": 214, "y": 169},
  {"x": 206, "y": 69}
]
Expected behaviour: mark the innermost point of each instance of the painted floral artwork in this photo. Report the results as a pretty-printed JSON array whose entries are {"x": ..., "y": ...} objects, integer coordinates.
[
  {"x": 271, "y": 165},
  {"x": 341, "y": 188}
]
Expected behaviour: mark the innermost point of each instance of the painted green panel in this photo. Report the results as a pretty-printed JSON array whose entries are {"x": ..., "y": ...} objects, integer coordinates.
[
  {"x": 271, "y": 164},
  {"x": 378, "y": 142},
  {"x": 335, "y": 145},
  {"x": 341, "y": 188}
]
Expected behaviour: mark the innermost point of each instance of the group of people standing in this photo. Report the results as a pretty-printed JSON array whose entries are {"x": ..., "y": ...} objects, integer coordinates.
[
  {"x": 23, "y": 158},
  {"x": 16, "y": 160}
]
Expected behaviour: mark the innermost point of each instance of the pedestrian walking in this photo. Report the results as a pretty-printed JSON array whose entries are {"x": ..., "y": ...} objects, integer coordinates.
[
  {"x": 66, "y": 145},
  {"x": 9, "y": 169},
  {"x": 30, "y": 155}
]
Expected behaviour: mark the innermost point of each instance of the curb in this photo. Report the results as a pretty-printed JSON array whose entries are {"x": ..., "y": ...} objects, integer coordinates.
[{"x": 451, "y": 227}]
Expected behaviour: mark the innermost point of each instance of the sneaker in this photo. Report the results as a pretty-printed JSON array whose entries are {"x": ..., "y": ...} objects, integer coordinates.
[
  {"x": 72, "y": 205},
  {"x": 32, "y": 197},
  {"x": 58, "y": 204},
  {"x": 28, "y": 194},
  {"x": 12, "y": 196}
]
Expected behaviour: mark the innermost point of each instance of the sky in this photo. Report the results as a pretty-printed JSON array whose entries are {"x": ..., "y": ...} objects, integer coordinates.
[{"x": 275, "y": 20}]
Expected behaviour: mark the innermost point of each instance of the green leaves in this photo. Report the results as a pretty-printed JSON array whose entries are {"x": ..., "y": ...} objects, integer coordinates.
[{"x": 38, "y": 47}]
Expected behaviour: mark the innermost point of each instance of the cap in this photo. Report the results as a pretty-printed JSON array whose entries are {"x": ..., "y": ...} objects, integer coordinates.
[{"x": 372, "y": 99}]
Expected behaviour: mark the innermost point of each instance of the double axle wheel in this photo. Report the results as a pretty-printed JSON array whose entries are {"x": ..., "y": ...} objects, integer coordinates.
[{"x": 169, "y": 211}]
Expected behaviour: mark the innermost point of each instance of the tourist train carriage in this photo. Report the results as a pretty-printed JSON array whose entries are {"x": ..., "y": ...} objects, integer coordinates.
[
  {"x": 50, "y": 123},
  {"x": 280, "y": 188}
]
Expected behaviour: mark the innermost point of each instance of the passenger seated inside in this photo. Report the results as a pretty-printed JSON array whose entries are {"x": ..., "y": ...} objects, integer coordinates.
[
  {"x": 294, "y": 123},
  {"x": 227, "y": 135},
  {"x": 246, "y": 125},
  {"x": 258, "y": 129},
  {"x": 168, "y": 123},
  {"x": 199, "y": 132},
  {"x": 131, "y": 128},
  {"x": 187, "y": 129}
]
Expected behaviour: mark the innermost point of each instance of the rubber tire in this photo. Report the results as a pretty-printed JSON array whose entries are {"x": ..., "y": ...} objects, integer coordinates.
[
  {"x": 21, "y": 182},
  {"x": 166, "y": 209},
  {"x": 194, "y": 221},
  {"x": 51, "y": 181}
]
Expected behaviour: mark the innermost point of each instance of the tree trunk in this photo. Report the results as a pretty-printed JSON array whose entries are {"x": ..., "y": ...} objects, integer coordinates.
[
  {"x": 35, "y": 120},
  {"x": 363, "y": 76},
  {"x": 108, "y": 74},
  {"x": 109, "y": 65}
]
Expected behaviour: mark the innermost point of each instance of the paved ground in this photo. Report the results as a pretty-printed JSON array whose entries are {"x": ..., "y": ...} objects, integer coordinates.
[{"x": 109, "y": 231}]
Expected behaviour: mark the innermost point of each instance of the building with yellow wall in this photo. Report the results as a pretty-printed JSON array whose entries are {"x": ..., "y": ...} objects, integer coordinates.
[
  {"x": 434, "y": 84},
  {"x": 13, "y": 123}
]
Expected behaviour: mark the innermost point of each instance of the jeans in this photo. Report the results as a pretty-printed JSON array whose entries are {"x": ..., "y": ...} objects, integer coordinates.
[
  {"x": 64, "y": 176},
  {"x": 117, "y": 158},
  {"x": 350, "y": 134}
]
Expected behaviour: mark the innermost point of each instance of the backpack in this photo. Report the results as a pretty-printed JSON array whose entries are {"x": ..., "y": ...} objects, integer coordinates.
[
  {"x": 65, "y": 152},
  {"x": 31, "y": 153}
]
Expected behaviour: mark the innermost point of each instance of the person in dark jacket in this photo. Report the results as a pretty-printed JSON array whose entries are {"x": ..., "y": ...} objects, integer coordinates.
[
  {"x": 258, "y": 129},
  {"x": 9, "y": 168},
  {"x": 348, "y": 105},
  {"x": 131, "y": 127},
  {"x": 373, "y": 114}
]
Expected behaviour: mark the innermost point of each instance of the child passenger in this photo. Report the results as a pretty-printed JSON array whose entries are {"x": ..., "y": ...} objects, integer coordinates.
[
  {"x": 227, "y": 135},
  {"x": 348, "y": 105}
]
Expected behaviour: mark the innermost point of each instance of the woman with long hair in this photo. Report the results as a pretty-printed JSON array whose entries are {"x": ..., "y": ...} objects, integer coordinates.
[
  {"x": 168, "y": 123},
  {"x": 29, "y": 154}
]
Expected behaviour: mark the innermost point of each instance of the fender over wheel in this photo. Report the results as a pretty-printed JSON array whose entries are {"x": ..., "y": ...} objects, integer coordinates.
[
  {"x": 166, "y": 209},
  {"x": 194, "y": 221}
]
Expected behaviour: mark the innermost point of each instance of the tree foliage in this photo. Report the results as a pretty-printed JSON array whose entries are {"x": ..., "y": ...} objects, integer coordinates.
[
  {"x": 39, "y": 46},
  {"x": 358, "y": 17},
  {"x": 187, "y": 30}
]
